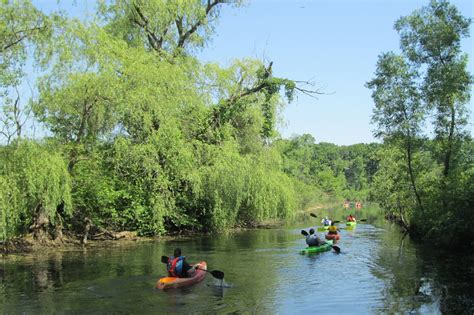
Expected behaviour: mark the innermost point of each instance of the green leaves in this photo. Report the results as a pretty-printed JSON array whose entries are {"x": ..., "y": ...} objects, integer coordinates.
[
  {"x": 429, "y": 78},
  {"x": 167, "y": 27},
  {"x": 32, "y": 177}
]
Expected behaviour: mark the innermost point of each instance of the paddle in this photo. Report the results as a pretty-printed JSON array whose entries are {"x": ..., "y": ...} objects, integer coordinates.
[
  {"x": 315, "y": 216},
  {"x": 215, "y": 273},
  {"x": 336, "y": 248},
  {"x": 361, "y": 220}
]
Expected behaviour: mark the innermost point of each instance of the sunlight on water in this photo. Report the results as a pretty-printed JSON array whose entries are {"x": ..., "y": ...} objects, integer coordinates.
[{"x": 378, "y": 271}]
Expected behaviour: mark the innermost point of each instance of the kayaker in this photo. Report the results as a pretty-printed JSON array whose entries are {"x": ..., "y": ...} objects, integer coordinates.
[
  {"x": 178, "y": 267},
  {"x": 333, "y": 228},
  {"x": 351, "y": 218},
  {"x": 326, "y": 221},
  {"x": 313, "y": 239}
]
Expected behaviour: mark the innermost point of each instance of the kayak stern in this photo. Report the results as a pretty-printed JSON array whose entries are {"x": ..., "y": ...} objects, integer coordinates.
[{"x": 176, "y": 282}]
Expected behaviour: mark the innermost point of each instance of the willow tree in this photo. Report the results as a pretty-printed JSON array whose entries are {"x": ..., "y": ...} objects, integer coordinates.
[
  {"x": 9, "y": 207},
  {"x": 167, "y": 27},
  {"x": 39, "y": 192},
  {"x": 25, "y": 34},
  {"x": 140, "y": 119}
]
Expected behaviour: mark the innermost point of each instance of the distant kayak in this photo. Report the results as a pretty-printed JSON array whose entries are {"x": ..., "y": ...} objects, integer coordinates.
[
  {"x": 323, "y": 228},
  {"x": 350, "y": 223},
  {"x": 317, "y": 249},
  {"x": 332, "y": 236},
  {"x": 175, "y": 282}
]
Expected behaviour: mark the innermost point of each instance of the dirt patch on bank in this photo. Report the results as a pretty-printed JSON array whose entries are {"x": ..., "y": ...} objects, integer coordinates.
[{"x": 27, "y": 243}]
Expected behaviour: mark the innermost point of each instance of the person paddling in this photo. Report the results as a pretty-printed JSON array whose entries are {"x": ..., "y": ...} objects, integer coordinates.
[
  {"x": 333, "y": 228},
  {"x": 178, "y": 267},
  {"x": 326, "y": 221},
  {"x": 313, "y": 239},
  {"x": 351, "y": 218}
]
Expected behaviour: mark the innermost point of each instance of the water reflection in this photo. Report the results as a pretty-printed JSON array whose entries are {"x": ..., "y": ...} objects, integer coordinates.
[{"x": 378, "y": 271}]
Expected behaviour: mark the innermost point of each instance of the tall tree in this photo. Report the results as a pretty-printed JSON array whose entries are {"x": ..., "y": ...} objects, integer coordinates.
[
  {"x": 431, "y": 39},
  {"x": 398, "y": 111},
  {"x": 428, "y": 79}
]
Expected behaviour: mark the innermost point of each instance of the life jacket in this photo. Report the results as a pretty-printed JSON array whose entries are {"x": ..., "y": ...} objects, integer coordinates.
[
  {"x": 351, "y": 219},
  {"x": 332, "y": 229},
  {"x": 175, "y": 266}
]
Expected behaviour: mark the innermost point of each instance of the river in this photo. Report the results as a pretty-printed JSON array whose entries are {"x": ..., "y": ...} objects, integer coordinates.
[{"x": 378, "y": 271}]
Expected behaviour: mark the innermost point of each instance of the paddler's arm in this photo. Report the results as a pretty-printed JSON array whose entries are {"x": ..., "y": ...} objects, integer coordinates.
[
  {"x": 191, "y": 269},
  {"x": 194, "y": 267}
]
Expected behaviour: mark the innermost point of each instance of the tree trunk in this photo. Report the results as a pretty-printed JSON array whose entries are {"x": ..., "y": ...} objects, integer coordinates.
[
  {"x": 412, "y": 175},
  {"x": 58, "y": 230},
  {"x": 449, "y": 149},
  {"x": 86, "y": 230},
  {"x": 40, "y": 225}
]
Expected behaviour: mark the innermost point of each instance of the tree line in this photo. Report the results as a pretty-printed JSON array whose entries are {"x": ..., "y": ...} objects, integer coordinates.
[
  {"x": 425, "y": 179},
  {"x": 138, "y": 134}
]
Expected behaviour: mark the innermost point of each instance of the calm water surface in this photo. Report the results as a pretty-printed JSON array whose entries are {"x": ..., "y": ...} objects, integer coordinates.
[{"x": 378, "y": 271}]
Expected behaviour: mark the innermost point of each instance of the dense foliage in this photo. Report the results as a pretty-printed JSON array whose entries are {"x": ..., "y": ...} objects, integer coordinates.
[
  {"x": 426, "y": 181},
  {"x": 141, "y": 135},
  {"x": 138, "y": 134}
]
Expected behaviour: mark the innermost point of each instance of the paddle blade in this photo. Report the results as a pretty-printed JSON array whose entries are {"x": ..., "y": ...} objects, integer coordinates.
[
  {"x": 363, "y": 220},
  {"x": 313, "y": 215},
  {"x": 336, "y": 249},
  {"x": 304, "y": 233},
  {"x": 217, "y": 274},
  {"x": 336, "y": 221},
  {"x": 164, "y": 259}
]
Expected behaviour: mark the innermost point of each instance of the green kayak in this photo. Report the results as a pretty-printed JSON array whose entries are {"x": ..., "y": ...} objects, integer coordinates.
[
  {"x": 352, "y": 224},
  {"x": 323, "y": 228},
  {"x": 317, "y": 249}
]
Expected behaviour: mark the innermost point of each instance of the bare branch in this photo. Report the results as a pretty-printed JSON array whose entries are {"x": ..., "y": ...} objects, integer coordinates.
[
  {"x": 16, "y": 114},
  {"x": 155, "y": 42},
  {"x": 255, "y": 89},
  {"x": 183, "y": 37},
  {"x": 21, "y": 35}
]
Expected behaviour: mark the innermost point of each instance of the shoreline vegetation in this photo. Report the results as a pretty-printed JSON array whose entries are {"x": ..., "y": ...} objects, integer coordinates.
[
  {"x": 28, "y": 244},
  {"x": 24, "y": 244},
  {"x": 139, "y": 135}
]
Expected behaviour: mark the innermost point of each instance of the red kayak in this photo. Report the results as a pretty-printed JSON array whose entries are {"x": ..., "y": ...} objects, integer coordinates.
[
  {"x": 333, "y": 237},
  {"x": 176, "y": 282}
]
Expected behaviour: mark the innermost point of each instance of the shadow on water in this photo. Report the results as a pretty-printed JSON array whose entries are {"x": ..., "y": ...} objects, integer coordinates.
[{"x": 378, "y": 271}]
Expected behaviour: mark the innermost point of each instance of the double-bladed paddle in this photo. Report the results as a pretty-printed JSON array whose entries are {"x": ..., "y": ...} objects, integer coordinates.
[
  {"x": 315, "y": 216},
  {"x": 215, "y": 273},
  {"x": 361, "y": 220},
  {"x": 336, "y": 248}
]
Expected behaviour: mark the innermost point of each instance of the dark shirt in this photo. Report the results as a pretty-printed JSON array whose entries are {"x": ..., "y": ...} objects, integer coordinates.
[
  {"x": 313, "y": 240},
  {"x": 186, "y": 267}
]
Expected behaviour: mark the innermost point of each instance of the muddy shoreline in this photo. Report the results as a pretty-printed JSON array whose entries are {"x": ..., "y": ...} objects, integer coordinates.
[{"x": 27, "y": 244}]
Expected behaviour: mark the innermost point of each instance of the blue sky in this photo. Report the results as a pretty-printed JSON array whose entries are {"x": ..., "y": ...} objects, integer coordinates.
[{"x": 334, "y": 43}]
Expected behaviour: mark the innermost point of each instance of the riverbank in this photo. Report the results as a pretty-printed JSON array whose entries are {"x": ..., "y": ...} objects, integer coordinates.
[{"x": 27, "y": 243}]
